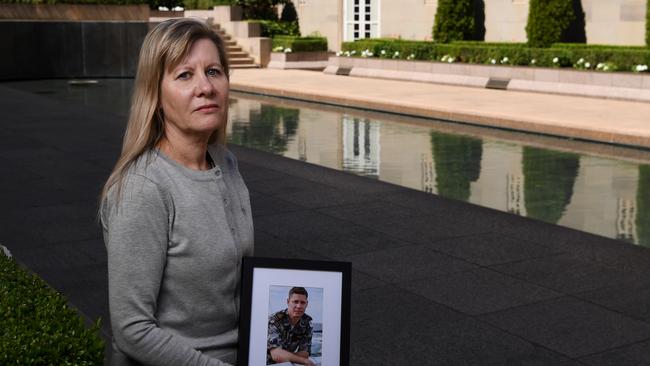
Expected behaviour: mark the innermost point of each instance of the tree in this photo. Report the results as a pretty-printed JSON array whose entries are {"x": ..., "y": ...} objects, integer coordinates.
[
  {"x": 457, "y": 162},
  {"x": 260, "y": 9},
  {"x": 548, "y": 21},
  {"x": 289, "y": 13},
  {"x": 454, "y": 21}
]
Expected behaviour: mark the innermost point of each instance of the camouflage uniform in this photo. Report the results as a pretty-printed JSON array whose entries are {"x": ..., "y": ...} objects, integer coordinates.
[{"x": 282, "y": 334}]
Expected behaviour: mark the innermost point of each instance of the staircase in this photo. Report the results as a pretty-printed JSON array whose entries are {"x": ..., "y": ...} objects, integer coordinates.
[{"x": 237, "y": 58}]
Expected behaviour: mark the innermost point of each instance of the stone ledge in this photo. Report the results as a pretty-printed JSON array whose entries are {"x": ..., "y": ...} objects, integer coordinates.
[{"x": 622, "y": 86}]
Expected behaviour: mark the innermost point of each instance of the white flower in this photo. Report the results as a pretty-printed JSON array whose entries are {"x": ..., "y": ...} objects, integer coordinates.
[
  {"x": 605, "y": 68},
  {"x": 339, "y": 53},
  {"x": 347, "y": 53},
  {"x": 556, "y": 60},
  {"x": 581, "y": 61},
  {"x": 280, "y": 48},
  {"x": 533, "y": 62},
  {"x": 493, "y": 61},
  {"x": 353, "y": 52},
  {"x": 163, "y": 8},
  {"x": 444, "y": 58},
  {"x": 396, "y": 54},
  {"x": 383, "y": 52},
  {"x": 505, "y": 60},
  {"x": 410, "y": 57},
  {"x": 641, "y": 68},
  {"x": 178, "y": 8},
  {"x": 587, "y": 65},
  {"x": 369, "y": 54},
  {"x": 599, "y": 66},
  {"x": 287, "y": 50},
  {"x": 451, "y": 59}
]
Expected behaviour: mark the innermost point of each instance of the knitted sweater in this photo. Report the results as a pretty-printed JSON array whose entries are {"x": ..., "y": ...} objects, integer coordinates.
[{"x": 175, "y": 242}]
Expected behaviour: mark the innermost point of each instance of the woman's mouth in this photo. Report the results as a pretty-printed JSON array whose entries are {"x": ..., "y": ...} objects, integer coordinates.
[{"x": 208, "y": 108}]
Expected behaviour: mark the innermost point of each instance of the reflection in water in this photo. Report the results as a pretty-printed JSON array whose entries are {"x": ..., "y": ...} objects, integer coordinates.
[
  {"x": 273, "y": 129},
  {"x": 458, "y": 162},
  {"x": 549, "y": 177},
  {"x": 643, "y": 206},
  {"x": 604, "y": 196},
  {"x": 361, "y": 146},
  {"x": 591, "y": 187}
]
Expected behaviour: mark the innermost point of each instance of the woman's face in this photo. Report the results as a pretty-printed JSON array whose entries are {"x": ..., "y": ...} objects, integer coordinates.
[{"x": 194, "y": 95}]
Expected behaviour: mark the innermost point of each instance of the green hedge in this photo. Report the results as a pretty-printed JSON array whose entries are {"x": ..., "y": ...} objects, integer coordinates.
[
  {"x": 454, "y": 21},
  {"x": 272, "y": 28},
  {"x": 36, "y": 325},
  {"x": 548, "y": 20},
  {"x": 300, "y": 44},
  {"x": 205, "y": 4},
  {"x": 558, "y": 55}
]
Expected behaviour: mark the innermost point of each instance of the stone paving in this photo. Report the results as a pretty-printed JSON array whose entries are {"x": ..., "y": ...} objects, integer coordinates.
[
  {"x": 435, "y": 281},
  {"x": 602, "y": 120}
]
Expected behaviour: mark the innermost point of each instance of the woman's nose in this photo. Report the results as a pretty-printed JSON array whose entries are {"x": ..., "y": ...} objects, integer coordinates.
[{"x": 204, "y": 86}]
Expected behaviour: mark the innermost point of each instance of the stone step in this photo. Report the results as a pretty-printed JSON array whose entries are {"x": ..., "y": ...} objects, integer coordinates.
[
  {"x": 237, "y": 54},
  {"x": 240, "y": 60},
  {"x": 233, "y": 48},
  {"x": 245, "y": 66}
]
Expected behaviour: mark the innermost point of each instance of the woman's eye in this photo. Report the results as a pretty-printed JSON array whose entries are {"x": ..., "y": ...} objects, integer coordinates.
[
  {"x": 214, "y": 72},
  {"x": 183, "y": 75}
]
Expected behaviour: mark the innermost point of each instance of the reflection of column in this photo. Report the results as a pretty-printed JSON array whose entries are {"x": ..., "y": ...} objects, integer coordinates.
[
  {"x": 361, "y": 146},
  {"x": 549, "y": 177},
  {"x": 458, "y": 162},
  {"x": 643, "y": 206},
  {"x": 625, "y": 225},
  {"x": 515, "y": 194}
]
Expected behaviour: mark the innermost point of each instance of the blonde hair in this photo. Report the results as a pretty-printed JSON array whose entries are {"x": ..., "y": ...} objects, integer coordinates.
[{"x": 164, "y": 47}]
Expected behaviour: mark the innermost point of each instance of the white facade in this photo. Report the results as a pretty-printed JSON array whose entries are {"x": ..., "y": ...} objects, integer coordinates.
[{"x": 618, "y": 22}]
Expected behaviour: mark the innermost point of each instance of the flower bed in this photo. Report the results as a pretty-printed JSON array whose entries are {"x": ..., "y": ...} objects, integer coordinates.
[
  {"x": 290, "y": 44},
  {"x": 578, "y": 56}
]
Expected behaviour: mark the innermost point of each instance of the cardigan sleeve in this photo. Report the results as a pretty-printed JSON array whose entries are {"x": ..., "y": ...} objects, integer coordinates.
[{"x": 136, "y": 237}]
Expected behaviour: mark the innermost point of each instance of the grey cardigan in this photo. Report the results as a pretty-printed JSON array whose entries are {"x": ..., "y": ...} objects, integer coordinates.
[{"x": 175, "y": 242}]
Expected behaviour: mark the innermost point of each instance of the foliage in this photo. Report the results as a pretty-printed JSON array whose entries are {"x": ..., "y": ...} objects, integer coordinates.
[
  {"x": 457, "y": 162},
  {"x": 566, "y": 55},
  {"x": 549, "y": 177},
  {"x": 548, "y": 20},
  {"x": 289, "y": 13},
  {"x": 274, "y": 28},
  {"x": 36, "y": 325},
  {"x": 260, "y": 9},
  {"x": 454, "y": 21},
  {"x": 206, "y": 4},
  {"x": 300, "y": 44}
]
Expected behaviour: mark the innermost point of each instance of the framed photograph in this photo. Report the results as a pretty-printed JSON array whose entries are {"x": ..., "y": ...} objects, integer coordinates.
[{"x": 294, "y": 312}]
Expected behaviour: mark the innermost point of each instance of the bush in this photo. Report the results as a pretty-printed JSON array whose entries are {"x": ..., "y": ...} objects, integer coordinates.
[
  {"x": 558, "y": 55},
  {"x": 289, "y": 13},
  {"x": 454, "y": 21},
  {"x": 36, "y": 325},
  {"x": 548, "y": 20},
  {"x": 259, "y": 9},
  {"x": 205, "y": 4},
  {"x": 273, "y": 28},
  {"x": 301, "y": 44}
]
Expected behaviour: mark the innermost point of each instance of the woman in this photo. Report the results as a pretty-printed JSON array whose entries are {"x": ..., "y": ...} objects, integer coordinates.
[{"x": 175, "y": 211}]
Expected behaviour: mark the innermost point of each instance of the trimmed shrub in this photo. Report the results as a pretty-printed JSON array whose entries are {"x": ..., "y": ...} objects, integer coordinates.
[
  {"x": 289, "y": 13},
  {"x": 454, "y": 21},
  {"x": 558, "y": 55},
  {"x": 301, "y": 44},
  {"x": 36, "y": 325},
  {"x": 259, "y": 9},
  {"x": 274, "y": 28},
  {"x": 548, "y": 21}
]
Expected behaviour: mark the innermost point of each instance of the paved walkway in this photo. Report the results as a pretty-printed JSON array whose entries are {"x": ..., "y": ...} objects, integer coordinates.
[
  {"x": 435, "y": 281},
  {"x": 593, "y": 119}
]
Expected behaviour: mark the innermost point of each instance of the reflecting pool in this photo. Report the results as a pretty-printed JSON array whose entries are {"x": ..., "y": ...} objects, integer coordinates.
[{"x": 592, "y": 187}]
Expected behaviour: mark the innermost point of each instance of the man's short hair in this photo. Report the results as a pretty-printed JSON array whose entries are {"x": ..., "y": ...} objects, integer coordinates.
[{"x": 298, "y": 291}]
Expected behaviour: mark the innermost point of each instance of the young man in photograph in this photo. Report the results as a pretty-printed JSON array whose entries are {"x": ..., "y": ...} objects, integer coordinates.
[{"x": 290, "y": 331}]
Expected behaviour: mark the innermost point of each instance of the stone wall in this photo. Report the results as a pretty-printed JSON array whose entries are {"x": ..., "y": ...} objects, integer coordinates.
[{"x": 64, "y": 49}]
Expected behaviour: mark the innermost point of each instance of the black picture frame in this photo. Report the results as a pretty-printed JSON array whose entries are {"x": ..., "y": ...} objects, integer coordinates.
[{"x": 259, "y": 272}]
